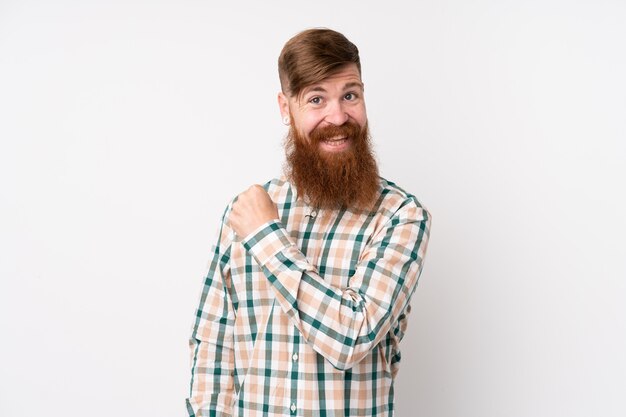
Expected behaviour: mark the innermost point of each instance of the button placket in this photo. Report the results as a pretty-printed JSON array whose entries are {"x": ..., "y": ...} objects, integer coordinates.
[{"x": 294, "y": 374}]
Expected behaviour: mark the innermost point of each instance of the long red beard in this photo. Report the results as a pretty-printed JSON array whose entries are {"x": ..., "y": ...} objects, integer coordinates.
[{"x": 333, "y": 180}]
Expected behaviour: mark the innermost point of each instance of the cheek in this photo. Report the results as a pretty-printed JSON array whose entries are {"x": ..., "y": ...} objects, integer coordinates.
[
  {"x": 308, "y": 123},
  {"x": 359, "y": 114}
]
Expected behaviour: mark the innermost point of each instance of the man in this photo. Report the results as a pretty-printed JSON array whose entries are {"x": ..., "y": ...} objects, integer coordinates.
[{"x": 307, "y": 293}]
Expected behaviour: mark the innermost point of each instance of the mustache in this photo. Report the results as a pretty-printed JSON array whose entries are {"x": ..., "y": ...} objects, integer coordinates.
[{"x": 348, "y": 129}]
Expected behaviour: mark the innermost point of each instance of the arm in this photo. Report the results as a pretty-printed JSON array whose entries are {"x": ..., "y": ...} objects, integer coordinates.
[
  {"x": 343, "y": 325},
  {"x": 211, "y": 342}
]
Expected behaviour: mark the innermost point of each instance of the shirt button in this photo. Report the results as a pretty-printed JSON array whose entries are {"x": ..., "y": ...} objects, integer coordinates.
[
  {"x": 293, "y": 407},
  {"x": 295, "y": 357}
]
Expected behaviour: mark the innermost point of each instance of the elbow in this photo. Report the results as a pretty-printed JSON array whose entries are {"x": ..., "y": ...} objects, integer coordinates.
[
  {"x": 344, "y": 361},
  {"x": 347, "y": 363},
  {"x": 342, "y": 366}
]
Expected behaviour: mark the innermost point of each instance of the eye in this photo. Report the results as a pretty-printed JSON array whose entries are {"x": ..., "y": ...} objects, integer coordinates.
[
  {"x": 350, "y": 96},
  {"x": 315, "y": 100}
]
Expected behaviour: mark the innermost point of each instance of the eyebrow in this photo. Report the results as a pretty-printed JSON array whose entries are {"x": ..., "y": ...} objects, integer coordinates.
[
  {"x": 352, "y": 85},
  {"x": 321, "y": 89}
]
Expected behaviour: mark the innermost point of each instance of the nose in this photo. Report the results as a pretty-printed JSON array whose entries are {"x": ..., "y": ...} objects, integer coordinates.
[{"x": 336, "y": 114}]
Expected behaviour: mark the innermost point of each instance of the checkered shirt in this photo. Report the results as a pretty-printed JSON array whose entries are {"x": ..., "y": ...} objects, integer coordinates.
[{"x": 304, "y": 316}]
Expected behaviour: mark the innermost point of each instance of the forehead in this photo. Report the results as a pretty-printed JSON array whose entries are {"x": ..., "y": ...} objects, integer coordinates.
[{"x": 347, "y": 77}]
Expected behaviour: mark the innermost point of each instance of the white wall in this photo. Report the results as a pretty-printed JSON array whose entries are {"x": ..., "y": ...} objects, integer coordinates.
[{"x": 126, "y": 126}]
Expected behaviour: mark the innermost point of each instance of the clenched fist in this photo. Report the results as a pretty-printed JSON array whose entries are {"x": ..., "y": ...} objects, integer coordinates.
[{"x": 251, "y": 209}]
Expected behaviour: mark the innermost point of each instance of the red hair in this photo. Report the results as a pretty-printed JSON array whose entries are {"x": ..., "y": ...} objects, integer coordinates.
[{"x": 312, "y": 56}]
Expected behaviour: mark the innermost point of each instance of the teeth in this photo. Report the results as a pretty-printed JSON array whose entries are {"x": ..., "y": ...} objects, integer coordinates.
[{"x": 335, "y": 140}]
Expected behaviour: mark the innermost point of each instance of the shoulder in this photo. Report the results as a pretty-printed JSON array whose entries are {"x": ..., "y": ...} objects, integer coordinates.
[
  {"x": 276, "y": 184},
  {"x": 395, "y": 200},
  {"x": 280, "y": 190}
]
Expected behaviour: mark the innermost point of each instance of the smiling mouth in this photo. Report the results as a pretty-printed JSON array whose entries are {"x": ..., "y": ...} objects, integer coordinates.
[{"x": 338, "y": 141}]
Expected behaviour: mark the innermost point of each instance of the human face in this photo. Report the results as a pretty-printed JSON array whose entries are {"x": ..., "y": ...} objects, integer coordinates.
[{"x": 332, "y": 102}]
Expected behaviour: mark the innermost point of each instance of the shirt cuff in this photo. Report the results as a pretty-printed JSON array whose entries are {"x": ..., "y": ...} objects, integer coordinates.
[{"x": 267, "y": 241}]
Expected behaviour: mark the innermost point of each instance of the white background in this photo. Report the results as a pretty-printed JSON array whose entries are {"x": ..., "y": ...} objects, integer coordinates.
[{"x": 127, "y": 126}]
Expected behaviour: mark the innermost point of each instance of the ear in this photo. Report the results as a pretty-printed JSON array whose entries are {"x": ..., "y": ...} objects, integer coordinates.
[{"x": 283, "y": 105}]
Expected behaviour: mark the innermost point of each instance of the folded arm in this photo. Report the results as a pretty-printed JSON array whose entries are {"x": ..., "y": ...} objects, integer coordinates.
[{"x": 343, "y": 325}]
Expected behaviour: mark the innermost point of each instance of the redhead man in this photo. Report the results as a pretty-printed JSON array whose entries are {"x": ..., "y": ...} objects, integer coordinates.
[{"x": 308, "y": 289}]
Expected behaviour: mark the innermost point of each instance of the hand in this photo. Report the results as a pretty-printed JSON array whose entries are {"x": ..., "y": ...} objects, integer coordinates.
[{"x": 251, "y": 209}]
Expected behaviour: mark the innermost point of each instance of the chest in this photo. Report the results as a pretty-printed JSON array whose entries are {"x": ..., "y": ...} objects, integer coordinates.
[{"x": 332, "y": 241}]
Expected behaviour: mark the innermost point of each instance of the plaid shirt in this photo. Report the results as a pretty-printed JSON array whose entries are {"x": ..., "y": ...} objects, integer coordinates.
[{"x": 304, "y": 316}]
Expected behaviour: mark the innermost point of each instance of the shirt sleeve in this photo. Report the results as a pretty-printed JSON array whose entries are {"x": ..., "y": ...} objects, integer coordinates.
[
  {"x": 211, "y": 342},
  {"x": 343, "y": 325}
]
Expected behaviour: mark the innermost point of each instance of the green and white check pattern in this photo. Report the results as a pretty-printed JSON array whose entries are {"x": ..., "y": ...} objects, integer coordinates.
[{"x": 305, "y": 315}]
